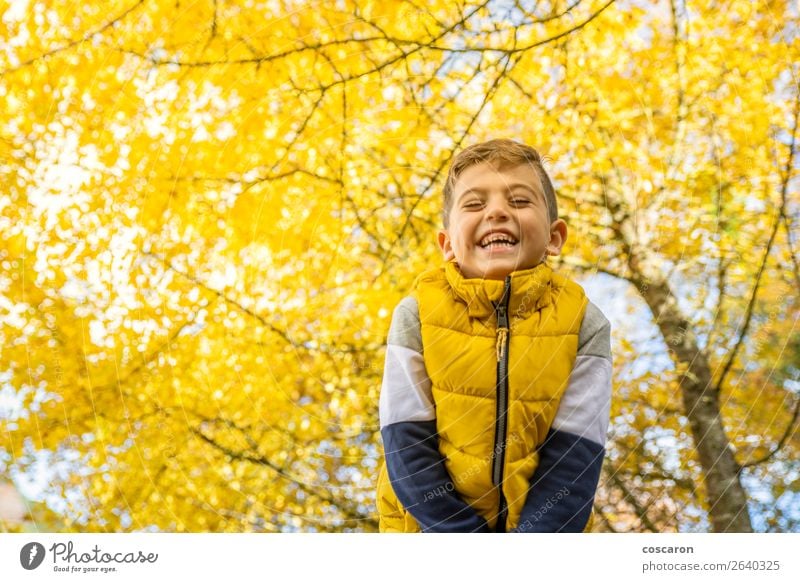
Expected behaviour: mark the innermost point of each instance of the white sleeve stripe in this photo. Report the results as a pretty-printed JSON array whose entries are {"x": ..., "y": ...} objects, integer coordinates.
[
  {"x": 406, "y": 390},
  {"x": 586, "y": 404}
]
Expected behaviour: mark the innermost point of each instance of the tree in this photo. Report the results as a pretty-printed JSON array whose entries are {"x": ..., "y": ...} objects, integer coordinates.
[{"x": 209, "y": 212}]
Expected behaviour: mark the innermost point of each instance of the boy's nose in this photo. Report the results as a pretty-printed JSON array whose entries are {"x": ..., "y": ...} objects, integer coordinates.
[{"x": 497, "y": 209}]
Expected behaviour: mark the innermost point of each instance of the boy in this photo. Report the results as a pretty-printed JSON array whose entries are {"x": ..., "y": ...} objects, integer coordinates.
[{"x": 497, "y": 383}]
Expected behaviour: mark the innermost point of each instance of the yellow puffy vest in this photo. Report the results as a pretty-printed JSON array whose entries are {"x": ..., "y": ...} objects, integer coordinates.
[{"x": 485, "y": 444}]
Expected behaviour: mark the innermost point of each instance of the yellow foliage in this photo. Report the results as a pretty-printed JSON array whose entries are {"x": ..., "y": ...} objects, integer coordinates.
[{"x": 208, "y": 214}]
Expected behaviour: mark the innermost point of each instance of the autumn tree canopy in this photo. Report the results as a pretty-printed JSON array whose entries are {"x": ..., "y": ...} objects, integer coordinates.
[{"x": 208, "y": 211}]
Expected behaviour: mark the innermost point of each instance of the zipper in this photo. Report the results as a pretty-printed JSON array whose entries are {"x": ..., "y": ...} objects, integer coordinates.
[{"x": 501, "y": 414}]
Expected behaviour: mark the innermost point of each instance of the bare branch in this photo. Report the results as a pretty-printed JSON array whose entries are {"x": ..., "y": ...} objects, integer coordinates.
[
  {"x": 401, "y": 55},
  {"x": 76, "y": 42},
  {"x": 786, "y": 434},
  {"x": 785, "y": 178},
  {"x": 486, "y": 99},
  {"x": 792, "y": 254},
  {"x": 348, "y": 510},
  {"x": 641, "y": 512},
  {"x": 599, "y": 511},
  {"x": 298, "y": 344},
  {"x": 750, "y": 308}
]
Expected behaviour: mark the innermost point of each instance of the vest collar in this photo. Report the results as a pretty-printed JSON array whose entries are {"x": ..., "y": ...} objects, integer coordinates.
[{"x": 530, "y": 291}]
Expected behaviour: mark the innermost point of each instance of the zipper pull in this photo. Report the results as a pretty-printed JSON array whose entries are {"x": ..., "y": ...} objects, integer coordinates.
[
  {"x": 502, "y": 337},
  {"x": 502, "y": 319},
  {"x": 502, "y": 330}
]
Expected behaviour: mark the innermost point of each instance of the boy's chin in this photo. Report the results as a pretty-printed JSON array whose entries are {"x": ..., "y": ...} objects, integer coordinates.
[
  {"x": 497, "y": 272},
  {"x": 492, "y": 272}
]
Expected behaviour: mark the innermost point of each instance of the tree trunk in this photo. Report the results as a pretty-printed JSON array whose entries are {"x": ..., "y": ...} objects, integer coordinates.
[{"x": 726, "y": 498}]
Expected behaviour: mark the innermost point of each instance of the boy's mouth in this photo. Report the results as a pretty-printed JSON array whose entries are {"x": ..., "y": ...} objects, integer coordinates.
[{"x": 497, "y": 240}]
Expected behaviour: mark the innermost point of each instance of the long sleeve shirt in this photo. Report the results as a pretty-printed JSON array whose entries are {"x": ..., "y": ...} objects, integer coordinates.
[{"x": 563, "y": 486}]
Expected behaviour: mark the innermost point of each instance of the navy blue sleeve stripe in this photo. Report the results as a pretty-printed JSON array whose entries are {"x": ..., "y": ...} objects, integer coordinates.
[
  {"x": 563, "y": 487},
  {"x": 420, "y": 480}
]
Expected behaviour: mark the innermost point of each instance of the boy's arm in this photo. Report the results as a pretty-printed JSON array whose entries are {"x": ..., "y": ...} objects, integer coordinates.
[
  {"x": 563, "y": 486},
  {"x": 410, "y": 441}
]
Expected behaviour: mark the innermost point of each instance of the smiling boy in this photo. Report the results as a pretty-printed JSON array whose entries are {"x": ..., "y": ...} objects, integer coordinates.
[
  {"x": 497, "y": 382},
  {"x": 497, "y": 221}
]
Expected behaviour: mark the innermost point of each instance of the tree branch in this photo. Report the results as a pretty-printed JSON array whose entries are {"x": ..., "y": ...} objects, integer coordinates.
[
  {"x": 750, "y": 308},
  {"x": 786, "y": 434},
  {"x": 350, "y": 512},
  {"x": 641, "y": 512},
  {"x": 76, "y": 42},
  {"x": 785, "y": 178}
]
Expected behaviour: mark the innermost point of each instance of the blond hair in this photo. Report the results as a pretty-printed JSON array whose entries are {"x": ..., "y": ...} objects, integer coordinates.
[{"x": 504, "y": 153}]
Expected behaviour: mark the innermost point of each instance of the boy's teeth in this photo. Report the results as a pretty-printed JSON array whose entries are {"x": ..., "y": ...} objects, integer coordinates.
[{"x": 498, "y": 239}]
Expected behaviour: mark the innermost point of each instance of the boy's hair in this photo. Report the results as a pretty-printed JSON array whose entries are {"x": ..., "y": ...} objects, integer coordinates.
[{"x": 505, "y": 153}]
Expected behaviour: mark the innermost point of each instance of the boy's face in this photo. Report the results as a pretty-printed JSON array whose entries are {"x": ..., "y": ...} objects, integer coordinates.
[{"x": 505, "y": 206}]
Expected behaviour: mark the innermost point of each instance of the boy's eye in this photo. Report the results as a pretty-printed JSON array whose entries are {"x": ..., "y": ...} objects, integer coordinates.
[
  {"x": 473, "y": 204},
  {"x": 520, "y": 201}
]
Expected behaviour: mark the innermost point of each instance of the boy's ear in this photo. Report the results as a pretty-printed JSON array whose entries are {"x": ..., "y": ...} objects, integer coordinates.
[
  {"x": 443, "y": 237},
  {"x": 558, "y": 236}
]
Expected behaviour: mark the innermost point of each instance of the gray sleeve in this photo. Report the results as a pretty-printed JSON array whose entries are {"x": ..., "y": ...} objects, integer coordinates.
[
  {"x": 586, "y": 403},
  {"x": 594, "y": 338},
  {"x": 405, "y": 327},
  {"x": 406, "y": 389}
]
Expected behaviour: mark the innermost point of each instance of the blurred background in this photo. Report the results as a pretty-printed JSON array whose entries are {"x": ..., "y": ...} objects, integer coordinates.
[{"x": 209, "y": 209}]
